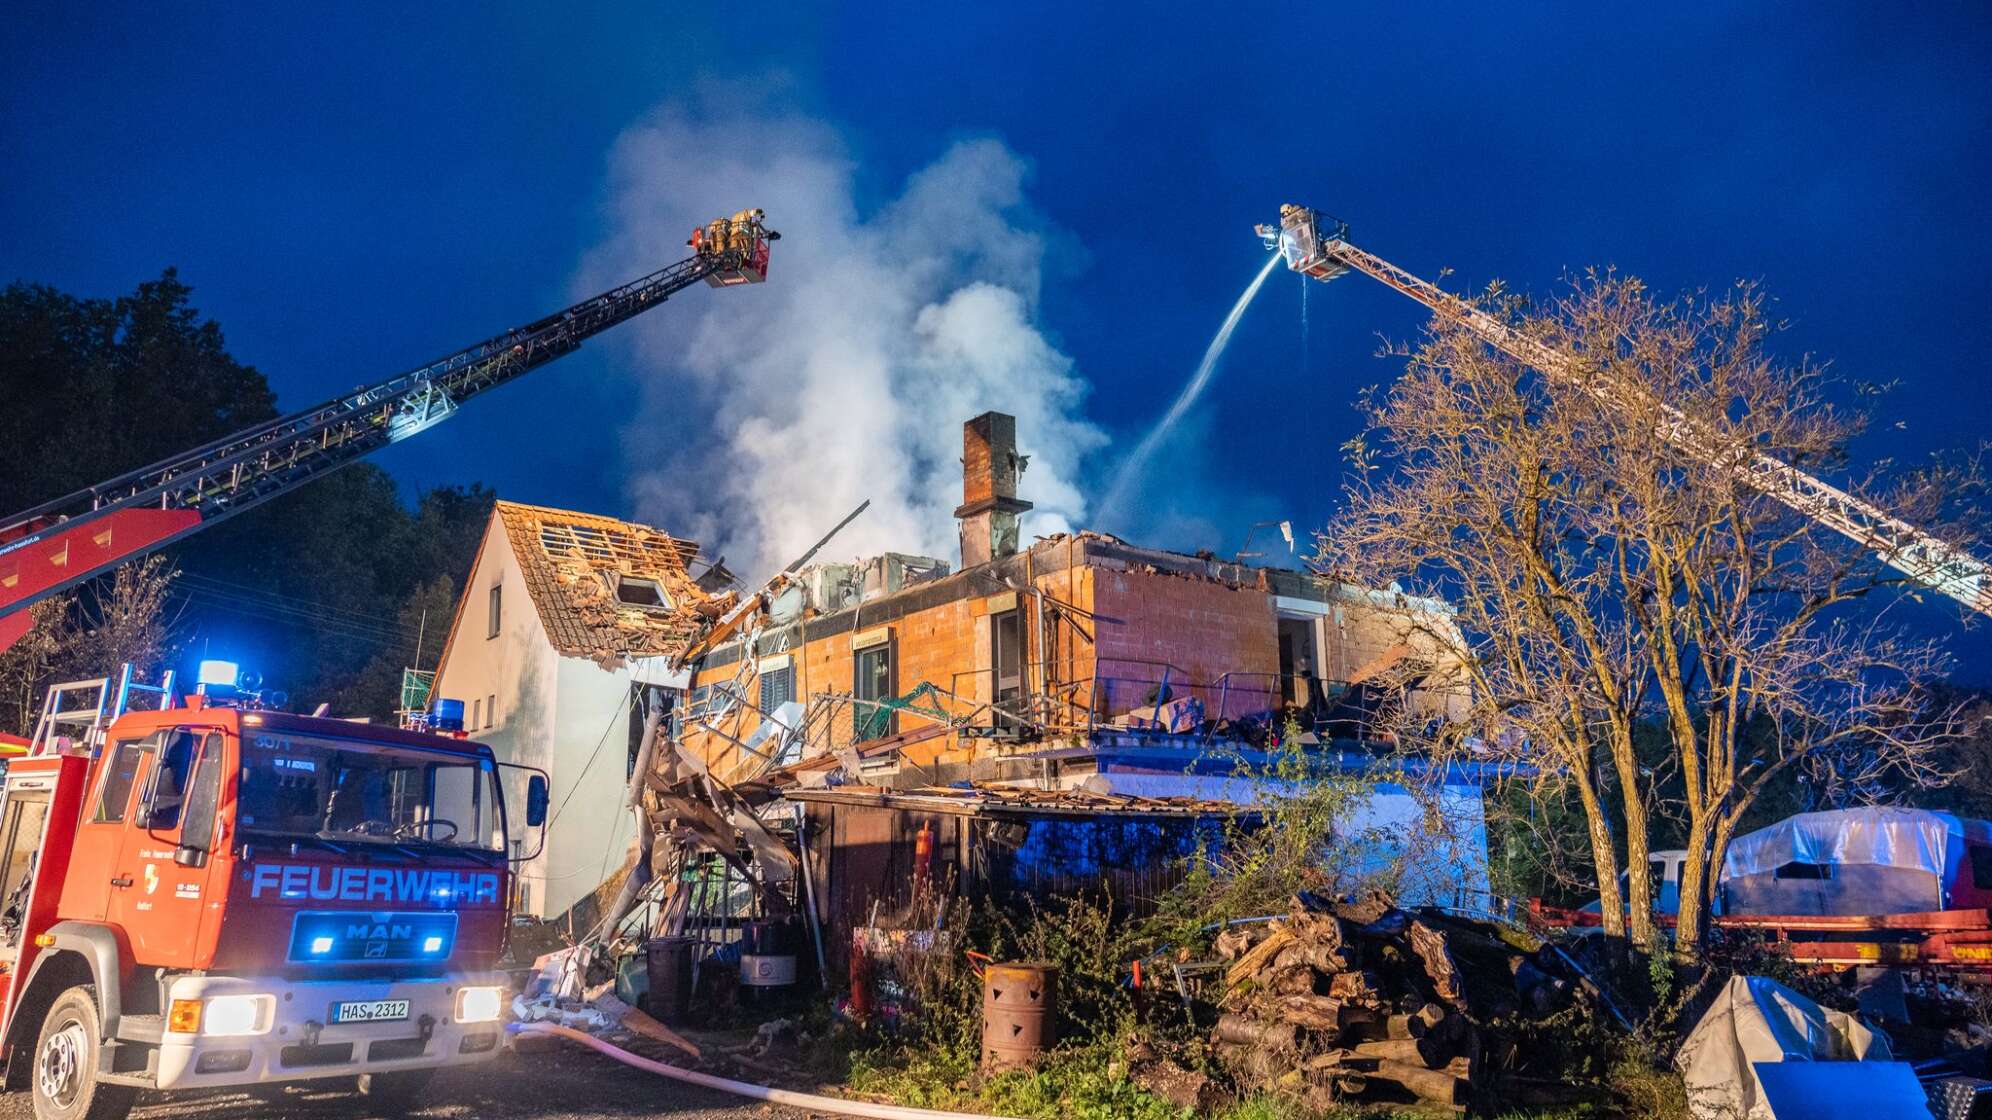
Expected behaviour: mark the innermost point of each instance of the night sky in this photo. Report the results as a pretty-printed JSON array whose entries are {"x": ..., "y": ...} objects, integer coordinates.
[{"x": 353, "y": 189}]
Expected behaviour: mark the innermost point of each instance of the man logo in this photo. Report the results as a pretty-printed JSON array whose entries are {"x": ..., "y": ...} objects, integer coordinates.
[{"x": 376, "y": 949}]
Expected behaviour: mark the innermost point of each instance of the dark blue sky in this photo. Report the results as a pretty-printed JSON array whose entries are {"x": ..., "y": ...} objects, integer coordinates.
[{"x": 355, "y": 188}]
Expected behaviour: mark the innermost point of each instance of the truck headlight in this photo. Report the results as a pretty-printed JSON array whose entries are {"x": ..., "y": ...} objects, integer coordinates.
[
  {"x": 238, "y": 1015},
  {"x": 479, "y": 1005}
]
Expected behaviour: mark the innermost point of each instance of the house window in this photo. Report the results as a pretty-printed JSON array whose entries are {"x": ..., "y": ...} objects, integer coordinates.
[
  {"x": 476, "y": 715},
  {"x": 497, "y": 609},
  {"x": 1297, "y": 661},
  {"x": 1006, "y": 658},
  {"x": 636, "y": 591},
  {"x": 873, "y": 681},
  {"x": 490, "y": 709},
  {"x": 777, "y": 688}
]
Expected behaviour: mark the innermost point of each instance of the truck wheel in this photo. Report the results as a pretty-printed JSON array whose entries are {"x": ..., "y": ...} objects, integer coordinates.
[
  {"x": 394, "y": 1093},
  {"x": 65, "y": 1068}
]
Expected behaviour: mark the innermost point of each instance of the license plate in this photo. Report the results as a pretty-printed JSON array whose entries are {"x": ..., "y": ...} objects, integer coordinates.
[{"x": 370, "y": 1011}]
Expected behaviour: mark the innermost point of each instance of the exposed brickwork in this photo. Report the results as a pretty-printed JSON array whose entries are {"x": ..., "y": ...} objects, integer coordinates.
[
  {"x": 1195, "y": 630},
  {"x": 978, "y": 473},
  {"x": 1143, "y": 622}
]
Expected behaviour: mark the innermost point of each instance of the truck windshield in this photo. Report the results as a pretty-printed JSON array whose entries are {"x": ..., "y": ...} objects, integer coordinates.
[{"x": 345, "y": 790}]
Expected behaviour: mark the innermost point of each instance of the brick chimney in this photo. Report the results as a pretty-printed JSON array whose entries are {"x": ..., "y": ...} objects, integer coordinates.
[{"x": 989, "y": 507}]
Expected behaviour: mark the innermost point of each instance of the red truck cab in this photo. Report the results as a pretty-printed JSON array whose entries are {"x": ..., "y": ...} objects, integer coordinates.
[{"x": 210, "y": 896}]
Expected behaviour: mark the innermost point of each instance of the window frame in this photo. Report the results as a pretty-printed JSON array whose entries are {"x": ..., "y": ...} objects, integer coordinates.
[
  {"x": 148, "y": 800},
  {"x": 494, "y": 611},
  {"x": 142, "y": 747},
  {"x": 861, "y": 713},
  {"x": 1018, "y": 688},
  {"x": 617, "y": 580}
]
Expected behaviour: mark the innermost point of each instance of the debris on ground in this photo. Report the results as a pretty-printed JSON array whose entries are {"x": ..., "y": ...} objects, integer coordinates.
[{"x": 1362, "y": 1001}]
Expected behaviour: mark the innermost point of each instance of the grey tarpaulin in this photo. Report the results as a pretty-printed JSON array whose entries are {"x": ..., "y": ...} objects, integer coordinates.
[
  {"x": 1852, "y": 861},
  {"x": 1758, "y": 1020}
]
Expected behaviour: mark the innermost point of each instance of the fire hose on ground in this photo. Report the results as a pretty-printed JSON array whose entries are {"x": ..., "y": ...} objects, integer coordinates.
[{"x": 836, "y": 1105}]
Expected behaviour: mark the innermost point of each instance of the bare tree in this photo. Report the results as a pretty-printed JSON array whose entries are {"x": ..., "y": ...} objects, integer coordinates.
[
  {"x": 126, "y": 618},
  {"x": 1610, "y": 567}
]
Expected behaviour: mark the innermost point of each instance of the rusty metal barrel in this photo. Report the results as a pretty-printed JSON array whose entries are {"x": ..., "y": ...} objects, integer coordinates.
[{"x": 1019, "y": 1014}]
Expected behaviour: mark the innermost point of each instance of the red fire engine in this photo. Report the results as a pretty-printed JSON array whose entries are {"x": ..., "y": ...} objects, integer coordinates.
[
  {"x": 207, "y": 893},
  {"x": 204, "y": 894}
]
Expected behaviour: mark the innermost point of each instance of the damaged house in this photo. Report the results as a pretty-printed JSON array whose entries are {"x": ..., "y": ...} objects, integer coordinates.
[
  {"x": 1041, "y": 716},
  {"x": 568, "y": 626}
]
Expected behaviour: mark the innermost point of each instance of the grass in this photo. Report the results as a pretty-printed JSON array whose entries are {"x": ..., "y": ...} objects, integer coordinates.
[{"x": 1074, "y": 1083}]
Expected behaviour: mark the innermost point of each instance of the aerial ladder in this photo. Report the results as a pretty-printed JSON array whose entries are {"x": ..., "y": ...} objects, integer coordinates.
[
  {"x": 1317, "y": 245},
  {"x": 62, "y": 543}
]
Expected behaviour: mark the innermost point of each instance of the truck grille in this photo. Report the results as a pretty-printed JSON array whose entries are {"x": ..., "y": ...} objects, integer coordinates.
[{"x": 323, "y": 1054}]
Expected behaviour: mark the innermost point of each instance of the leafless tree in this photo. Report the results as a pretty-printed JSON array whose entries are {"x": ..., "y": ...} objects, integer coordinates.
[
  {"x": 1609, "y": 568},
  {"x": 125, "y": 618}
]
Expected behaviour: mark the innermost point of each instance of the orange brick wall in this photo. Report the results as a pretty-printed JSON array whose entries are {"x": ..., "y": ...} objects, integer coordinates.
[
  {"x": 1197, "y": 629},
  {"x": 1141, "y": 622}
]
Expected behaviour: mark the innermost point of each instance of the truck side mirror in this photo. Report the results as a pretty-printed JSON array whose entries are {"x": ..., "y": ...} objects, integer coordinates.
[{"x": 536, "y": 800}]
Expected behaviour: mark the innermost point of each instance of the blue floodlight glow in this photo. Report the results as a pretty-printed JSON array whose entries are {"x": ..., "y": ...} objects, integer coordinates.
[
  {"x": 331, "y": 937},
  {"x": 221, "y": 673}
]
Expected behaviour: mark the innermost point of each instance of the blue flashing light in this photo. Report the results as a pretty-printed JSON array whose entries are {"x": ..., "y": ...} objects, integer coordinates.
[
  {"x": 221, "y": 674},
  {"x": 323, "y": 945},
  {"x": 448, "y": 715},
  {"x": 432, "y": 945}
]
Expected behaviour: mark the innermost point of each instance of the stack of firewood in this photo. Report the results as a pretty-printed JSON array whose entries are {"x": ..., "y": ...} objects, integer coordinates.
[{"x": 1363, "y": 1001}]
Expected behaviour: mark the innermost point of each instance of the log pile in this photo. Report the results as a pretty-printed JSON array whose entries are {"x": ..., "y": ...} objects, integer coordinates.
[{"x": 1339, "y": 1002}]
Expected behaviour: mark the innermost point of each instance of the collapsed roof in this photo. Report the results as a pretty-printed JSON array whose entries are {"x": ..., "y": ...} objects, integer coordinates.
[{"x": 608, "y": 589}]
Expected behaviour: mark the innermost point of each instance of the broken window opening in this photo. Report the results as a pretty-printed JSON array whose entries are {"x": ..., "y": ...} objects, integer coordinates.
[
  {"x": 636, "y": 591},
  {"x": 1006, "y": 658}
]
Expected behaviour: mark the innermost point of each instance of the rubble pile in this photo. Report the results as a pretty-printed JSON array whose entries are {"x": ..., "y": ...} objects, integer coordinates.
[{"x": 1363, "y": 1001}]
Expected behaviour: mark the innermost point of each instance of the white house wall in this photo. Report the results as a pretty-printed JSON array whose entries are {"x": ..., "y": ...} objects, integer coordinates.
[
  {"x": 519, "y": 669},
  {"x": 590, "y": 837}
]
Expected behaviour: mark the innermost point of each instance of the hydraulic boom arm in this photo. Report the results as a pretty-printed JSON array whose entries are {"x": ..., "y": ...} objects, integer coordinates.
[
  {"x": 1318, "y": 246},
  {"x": 59, "y": 544}
]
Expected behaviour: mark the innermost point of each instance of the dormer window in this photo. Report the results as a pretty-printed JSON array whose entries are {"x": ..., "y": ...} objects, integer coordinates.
[{"x": 635, "y": 591}]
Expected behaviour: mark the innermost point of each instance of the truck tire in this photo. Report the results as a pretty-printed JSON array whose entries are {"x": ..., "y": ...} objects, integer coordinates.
[
  {"x": 391, "y": 1094},
  {"x": 65, "y": 1064}
]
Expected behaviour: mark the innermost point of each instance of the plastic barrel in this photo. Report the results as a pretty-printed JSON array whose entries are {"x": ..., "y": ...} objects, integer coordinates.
[
  {"x": 668, "y": 961},
  {"x": 1019, "y": 1015}
]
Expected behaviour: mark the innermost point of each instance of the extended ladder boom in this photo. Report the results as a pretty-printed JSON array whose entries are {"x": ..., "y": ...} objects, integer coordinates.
[
  {"x": 1318, "y": 246},
  {"x": 61, "y": 543}
]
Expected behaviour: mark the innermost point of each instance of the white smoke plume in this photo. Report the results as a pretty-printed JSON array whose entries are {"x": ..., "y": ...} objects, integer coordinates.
[{"x": 766, "y": 413}]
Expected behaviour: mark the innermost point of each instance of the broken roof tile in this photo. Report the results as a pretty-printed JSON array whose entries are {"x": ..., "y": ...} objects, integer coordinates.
[{"x": 607, "y": 589}]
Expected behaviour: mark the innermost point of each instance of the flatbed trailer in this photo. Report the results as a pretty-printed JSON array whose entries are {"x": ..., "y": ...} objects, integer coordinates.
[{"x": 1958, "y": 941}]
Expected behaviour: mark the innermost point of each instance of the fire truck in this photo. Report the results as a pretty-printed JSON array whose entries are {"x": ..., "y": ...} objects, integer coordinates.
[
  {"x": 200, "y": 892},
  {"x": 203, "y": 891}
]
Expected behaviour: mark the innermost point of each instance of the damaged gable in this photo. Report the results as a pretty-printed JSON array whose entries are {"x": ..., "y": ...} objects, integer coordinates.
[{"x": 609, "y": 590}]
